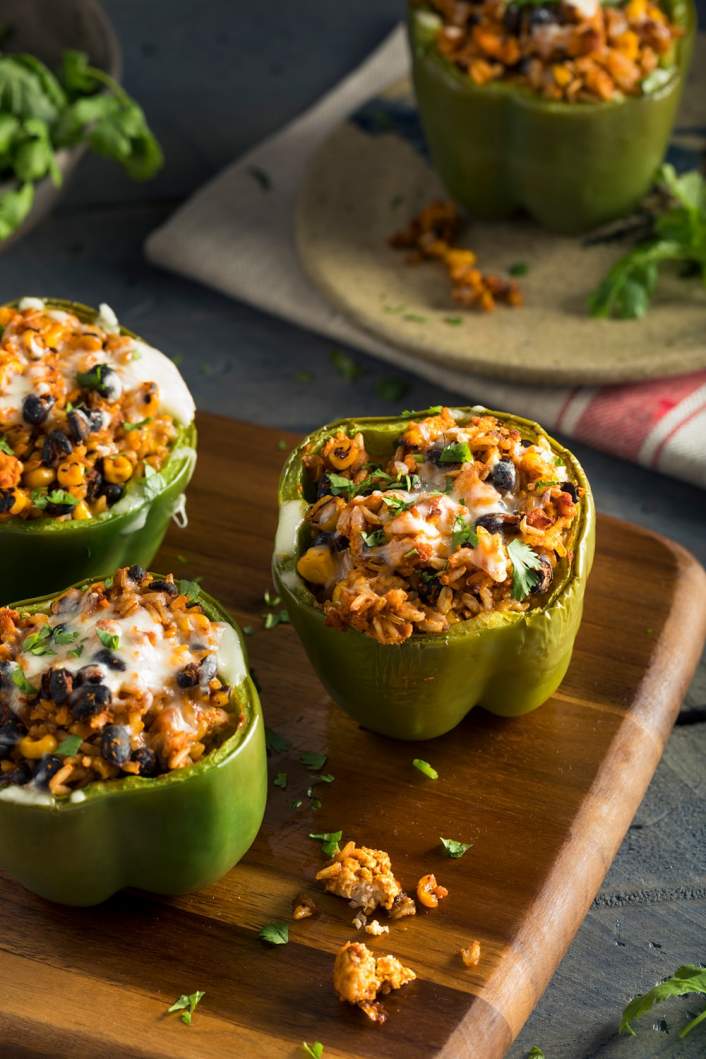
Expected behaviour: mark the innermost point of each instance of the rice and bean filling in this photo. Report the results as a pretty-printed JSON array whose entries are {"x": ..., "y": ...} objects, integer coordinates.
[
  {"x": 465, "y": 518},
  {"x": 582, "y": 51},
  {"x": 124, "y": 678},
  {"x": 80, "y": 416}
]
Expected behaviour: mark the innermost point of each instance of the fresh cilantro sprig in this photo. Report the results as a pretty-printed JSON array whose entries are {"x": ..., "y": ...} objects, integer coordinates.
[
  {"x": 463, "y": 534},
  {"x": 314, "y": 1051},
  {"x": 57, "y": 497},
  {"x": 374, "y": 539},
  {"x": 274, "y": 933},
  {"x": 679, "y": 236},
  {"x": 425, "y": 768},
  {"x": 276, "y": 743},
  {"x": 453, "y": 848},
  {"x": 313, "y": 760},
  {"x": 329, "y": 841},
  {"x": 456, "y": 452},
  {"x": 689, "y": 978},
  {"x": 525, "y": 563},
  {"x": 68, "y": 746},
  {"x": 109, "y": 639},
  {"x": 4, "y": 443},
  {"x": 20, "y": 681},
  {"x": 187, "y": 1005}
]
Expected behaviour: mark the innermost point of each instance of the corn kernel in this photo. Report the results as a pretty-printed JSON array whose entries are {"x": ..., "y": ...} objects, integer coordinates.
[
  {"x": 36, "y": 748},
  {"x": 82, "y": 511},
  {"x": 39, "y": 477},
  {"x": 317, "y": 565},
  {"x": 117, "y": 469},
  {"x": 71, "y": 472}
]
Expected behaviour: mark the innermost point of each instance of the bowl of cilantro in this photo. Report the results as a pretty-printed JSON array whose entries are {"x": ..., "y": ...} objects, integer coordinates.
[{"x": 59, "y": 96}]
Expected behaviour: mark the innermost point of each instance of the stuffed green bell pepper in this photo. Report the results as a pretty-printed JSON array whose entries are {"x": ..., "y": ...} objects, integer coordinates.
[
  {"x": 97, "y": 445},
  {"x": 432, "y": 562},
  {"x": 561, "y": 109},
  {"x": 132, "y": 747}
]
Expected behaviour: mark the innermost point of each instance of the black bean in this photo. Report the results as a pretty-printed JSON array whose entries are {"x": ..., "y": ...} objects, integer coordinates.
[
  {"x": 526, "y": 443},
  {"x": 542, "y": 16},
  {"x": 103, "y": 380},
  {"x": 340, "y": 542},
  {"x": 68, "y": 603},
  {"x": 56, "y": 447},
  {"x": 323, "y": 486},
  {"x": 7, "y": 500},
  {"x": 503, "y": 476},
  {"x": 79, "y": 425},
  {"x": 89, "y": 700},
  {"x": 6, "y": 674},
  {"x": 10, "y": 735},
  {"x": 35, "y": 409},
  {"x": 188, "y": 677},
  {"x": 58, "y": 508},
  {"x": 322, "y": 538},
  {"x": 115, "y": 743},
  {"x": 433, "y": 453},
  {"x": 208, "y": 668},
  {"x": 147, "y": 760},
  {"x": 512, "y": 19},
  {"x": 57, "y": 685},
  {"x": 163, "y": 586},
  {"x": 110, "y": 659},
  {"x": 90, "y": 674},
  {"x": 545, "y": 576},
  {"x": 48, "y": 766},
  {"x": 428, "y": 589},
  {"x": 112, "y": 492},
  {"x": 570, "y": 488},
  {"x": 498, "y": 522},
  {"x": 136, "y": 573},
  {"x": 94, "y": 484}
]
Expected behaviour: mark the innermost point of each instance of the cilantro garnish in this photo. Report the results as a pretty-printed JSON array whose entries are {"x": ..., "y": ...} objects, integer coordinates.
[
  {"x": 138, "y": 425},
  {"x": 314, "y": 1051},
  {"x": 62, "y": 635},
  {"x": 396, "y": 504},
  {"x": 190, "y": 589},
  {"x": 341, "y": 486},
  {"x": 282, "y": 445},
  {"x": 313, "y": 760},
  {"x": 271, "y": 599},
  {"x": 272, "y": 619},
  {"x": 454, "y": 848},
  {"x": 345, "y": 365},
  {"x": 535, "y": 1052},
  {"x": 77, "y": 651},
  {"x": 545, "y": 483},
  {"x": 524, "y": 564},
  {"x": 453, "y": 321},
  {"x": 274, "y": 933},
  {"x": 68, "y": 746},
  {"x": 434, "y": 410},
  {"x": 187, "y": 1005},
  {"x": 425, "y": 768},
  {"x": 374, "y": 539},
  {"x": 392, "y": 388},
  {"x": 456, "y": 452},
  {"x": 38, "y": 642},
  {"x": 519, "y": 268},
  {"x": 689, "y": 978},
  {"x": 463, "y": 534},
  {"x": 56, "y": 496},
  {"x": 5, "y": 447},
  {"x": 329, "y": 841},
  {"x": 280, "y": 780},
  {"x": 109, "y": 639},
  {"x": 275, "y": 742},
  {"x": 20, "y": 681}
]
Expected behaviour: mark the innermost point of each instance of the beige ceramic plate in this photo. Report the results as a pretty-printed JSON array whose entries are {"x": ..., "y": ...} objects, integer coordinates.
[{"x": 371, "y": 177}]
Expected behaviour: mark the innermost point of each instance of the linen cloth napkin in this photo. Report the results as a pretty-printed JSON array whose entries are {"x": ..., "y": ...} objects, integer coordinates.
[{"x": 231, "y": 236}]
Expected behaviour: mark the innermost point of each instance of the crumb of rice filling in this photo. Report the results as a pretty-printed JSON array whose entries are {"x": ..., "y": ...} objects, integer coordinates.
[
  {"x": 118, "y": 679},
  {"x": 364, "y": 877},
  {"x": 577, "y": 51},
  {"x": 84, "y": 412},
  {"x": 434, "y": 535},
  {"x": 359, "y": 977}
]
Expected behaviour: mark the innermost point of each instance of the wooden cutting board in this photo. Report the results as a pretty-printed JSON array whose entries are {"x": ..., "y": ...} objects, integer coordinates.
[{"x": 545, "y": 799}]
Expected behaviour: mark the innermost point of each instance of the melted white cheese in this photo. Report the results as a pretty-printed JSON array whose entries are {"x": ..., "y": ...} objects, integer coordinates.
[
  {"x": 291, "y": 516},
  {"x": 149, "y": 365}
]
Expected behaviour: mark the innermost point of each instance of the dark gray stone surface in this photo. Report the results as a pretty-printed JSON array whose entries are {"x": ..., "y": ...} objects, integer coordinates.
[{"x": 214, "y": 78}]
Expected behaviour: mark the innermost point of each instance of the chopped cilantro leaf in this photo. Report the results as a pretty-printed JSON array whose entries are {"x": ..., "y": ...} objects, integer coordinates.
[
  {"x": 535, "y": 1052},
  {"x": 280, "y": 780},
  {"x": 313, "y": 760},
  {"x": 5, "y": 446},
  {"x": 138, "y": 425},
  {"x": 392, "y": 388},
  {"x": 345, "y": 365},
  {"x": 271, "y": 599},
  {"x": 20, "y": 681},
  {"x": 415, "y": 318},
  {"x": 108, "y": 639},
  {"x": 190, "y": 589},
  {"x": 519, "y": 268},
  {"x": 456, "y": 452},
  {"x": 525, "y": 562},
  {"x": 77, "y": 651},
  {"x": 68, "y": 746},
  {"x": 282, "y": 445},
  {"x": 247, "y": 630},
  {"x": 275, "y": 742},
  {"x": 425, "y": 768},
  {"x": 272, "y": 619},
  {"x": 62, "y": 635},
  {"x": 453, "y": 848},
  {"x": 545, "y": 483},
  {"x": 374, "y": 539},
  {"x": 329, "y": 841},
  {"x": 38, "y": 642},
  {"x": 314, "y": 1051},
  {"x": 463, "y": 534},
  {"x": 187, "y": 1005},
  {"x": 453, "y": 321},
  {"x": 274, "y": 933},
  {"x": 396, "y": 504},
  {"x": 57, "y": 497},
  {"x": 296, "y": 804}
]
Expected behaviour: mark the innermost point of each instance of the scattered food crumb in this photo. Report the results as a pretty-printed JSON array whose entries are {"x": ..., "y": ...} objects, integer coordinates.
[
  {"x": 364, "y": 877},
  {"x": 359, "y": 976},
  {"x": 471, "y": 954},
  {"x": 359, "y": 920},
  {"x": 376, "y": 928},
  {"x": 303, "y": 907},
  {"x": 429, "y": 893}
]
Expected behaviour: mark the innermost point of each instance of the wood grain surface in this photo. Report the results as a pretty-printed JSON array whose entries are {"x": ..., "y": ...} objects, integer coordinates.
[{"x": 545, "y": 800}]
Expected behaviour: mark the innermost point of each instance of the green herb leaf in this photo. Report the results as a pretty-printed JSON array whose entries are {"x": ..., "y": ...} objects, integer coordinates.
[
  {"x": 190, "y": 589},
  {"x": 345, "y": 365},
  {"x": 525, "y": 562},
  {"x": 187, "y": 1005},
  {"x": 59, "y": 497},
  {"x": 304, "y": 376},
  {"x": 453, "y": 848},
  {"x": 453, "y": 321},
  {"x": 108, "y": 639},
  {"x": 314, "y": 1051},
  {"x": 248, "y": 630},
  {"x": 463, "y": 534},
  {"x": 545, "y": 483},
  {"x": 313, "y": 760},
  {"x": 329, "y": 841},
  {"x": 457, "y": 452},
  {"x": 689, "y": 978},
  {"x": 374, "y": 539},
  {"x": 535, "y": 1052},
  {"x": 38, "y": 642},
  {"x": 414, "y": 318},
  {"x": 62, "y": 636},
  {"x": 272, "y": 599},
  {"x": 275, "y": 933},
  {"x": 5, "y": 447},
  {"x": 392, "y": 388},
  {"x": 68, "y": 746},
  {"x": 20, "y": 681},
  {"x": 128, "y": 427},
  {"x": 519, "y": 268},
  {"x": 261, "y": 176},
  {"x": 275, "y": 742},
  {"x": 341, "y": 486},
  {"x": 425, "y": 768},
  {"x": 396, "y": 504},
  {"x": 280, "y": 780},
  {"x": 77, "y": 651},
  {"x": 272, "y": 619},
  {"x": 282, "y": 445}
]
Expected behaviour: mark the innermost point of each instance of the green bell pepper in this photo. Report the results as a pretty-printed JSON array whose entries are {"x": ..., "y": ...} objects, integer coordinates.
[
  {"x": 508, "y": 662},
  {"x": 572, "y": 166},
  {"x": 46, "y": 554},
  {"x": 168, "y": 835}
]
